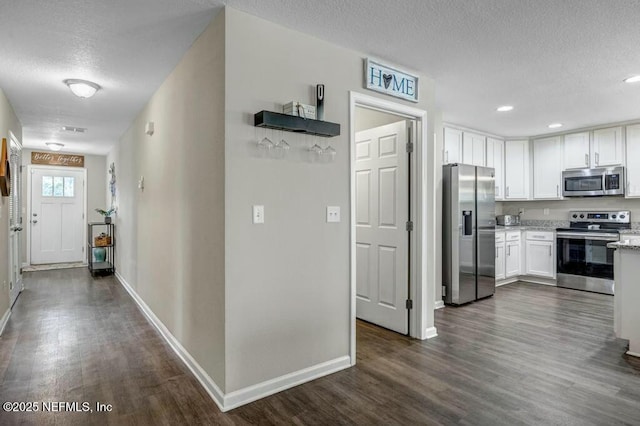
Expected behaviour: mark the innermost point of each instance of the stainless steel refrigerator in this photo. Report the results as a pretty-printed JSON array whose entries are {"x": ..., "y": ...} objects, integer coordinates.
[{"x": 468, "y": 233}]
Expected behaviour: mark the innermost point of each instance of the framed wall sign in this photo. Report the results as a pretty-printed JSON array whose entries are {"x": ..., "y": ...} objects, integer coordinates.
[
  {"x": 54, "y": 159},
  {"x": 391, "y": 81}
]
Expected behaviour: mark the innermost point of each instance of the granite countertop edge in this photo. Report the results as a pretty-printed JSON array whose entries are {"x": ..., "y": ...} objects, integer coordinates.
[
  {"x": 500, "y": 228},
  {"x": 625, "y": 245}
]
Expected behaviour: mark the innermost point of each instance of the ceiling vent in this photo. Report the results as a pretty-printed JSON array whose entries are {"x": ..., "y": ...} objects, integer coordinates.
[{"x": 74, "y": 129}]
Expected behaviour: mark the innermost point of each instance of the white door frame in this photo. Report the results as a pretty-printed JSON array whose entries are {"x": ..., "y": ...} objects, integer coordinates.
[
  {"x": 14, "y": 139},
  {"x": 30, "y": 168},
  {"x": 423, "y": 210}
]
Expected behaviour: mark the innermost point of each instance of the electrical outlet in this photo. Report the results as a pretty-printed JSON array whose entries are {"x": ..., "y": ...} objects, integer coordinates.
[
  {"x": 333, "y": 214},
  {"x": 545, "y": 212},
  {"x": 258, "y": 214}
]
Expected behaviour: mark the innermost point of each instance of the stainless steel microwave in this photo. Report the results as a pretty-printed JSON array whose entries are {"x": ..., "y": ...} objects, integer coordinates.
[{"x": 593, "y": 182}]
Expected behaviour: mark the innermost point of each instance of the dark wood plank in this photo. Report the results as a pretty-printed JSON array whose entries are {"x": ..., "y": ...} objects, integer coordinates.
[{"x": 530, "y": 355}]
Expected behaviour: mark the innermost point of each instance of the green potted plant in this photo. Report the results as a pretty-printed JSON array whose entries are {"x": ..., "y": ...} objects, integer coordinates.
[{"x": 107, "y": 214}]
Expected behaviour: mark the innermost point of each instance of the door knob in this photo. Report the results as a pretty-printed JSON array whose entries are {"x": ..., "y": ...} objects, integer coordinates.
[{"x": 18, "y": 228}]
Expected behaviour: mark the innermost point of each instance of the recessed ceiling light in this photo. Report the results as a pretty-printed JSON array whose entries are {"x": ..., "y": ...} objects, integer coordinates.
[
  {"x": 555, "y": 125},
  {"x": 82, "y": 88},
  {"x": 504, "y": 108},
  {"x": 55, "y": 146},
  {"x": 632, "y": 79}
]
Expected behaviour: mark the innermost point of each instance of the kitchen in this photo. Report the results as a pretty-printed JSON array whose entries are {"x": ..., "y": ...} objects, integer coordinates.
[{"x": 562, "y": 202}]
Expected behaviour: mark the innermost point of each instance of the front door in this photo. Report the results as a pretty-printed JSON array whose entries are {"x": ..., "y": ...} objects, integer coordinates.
[
  {"x": 15, "y": 221},
  {"x": 57, "y": 210},
  {"x": 382, "y": 239}
]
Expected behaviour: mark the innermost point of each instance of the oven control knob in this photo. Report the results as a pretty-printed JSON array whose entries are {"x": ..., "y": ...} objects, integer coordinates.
[
  {"x": 622, "y": 216},
  {"x": 581, "y": 216},
  {"x": 613, "y": 216},
  {"x": 575, "y": 216}
]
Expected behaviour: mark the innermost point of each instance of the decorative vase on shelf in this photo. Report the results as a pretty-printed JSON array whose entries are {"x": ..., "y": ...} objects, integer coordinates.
[
  {"x": 99, "y": 254},
  {"x": 107, "y": 219}
]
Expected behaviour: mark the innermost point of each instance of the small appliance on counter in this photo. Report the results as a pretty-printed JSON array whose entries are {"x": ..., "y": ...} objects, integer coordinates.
[{"x": 508, "y": 220}]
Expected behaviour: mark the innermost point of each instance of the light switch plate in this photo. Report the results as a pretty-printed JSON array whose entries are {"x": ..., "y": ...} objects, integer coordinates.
[
  {"x": 258, "y": 214},
  {"x": 333, "y": 214}
]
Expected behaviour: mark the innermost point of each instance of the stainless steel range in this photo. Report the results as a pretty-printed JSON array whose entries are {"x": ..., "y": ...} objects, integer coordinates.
[{"x": 584, "y": 261}]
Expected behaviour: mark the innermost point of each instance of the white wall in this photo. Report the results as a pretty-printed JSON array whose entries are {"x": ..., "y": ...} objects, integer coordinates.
[
  {"x": 8, "y": 123},
  {"x": 369, "y": 118},
  {"x": 287, "y": 281},
  {"x": 170, "y": 236}
]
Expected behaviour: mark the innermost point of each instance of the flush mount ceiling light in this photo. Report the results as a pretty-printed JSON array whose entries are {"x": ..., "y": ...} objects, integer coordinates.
[
  {"x": 504, "y": 108},
  {"x": 55, "y": 146},
  {"x": 632, "y": 79},
  {"x": 82, "y": 88},
  {"x": 74, "y": 129},
  {"x": 555, "y": 125}
]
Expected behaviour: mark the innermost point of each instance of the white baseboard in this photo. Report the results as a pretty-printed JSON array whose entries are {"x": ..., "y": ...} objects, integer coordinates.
[
  {"x": 439, "y": 304},
  {"x": 507, "y": 281},
  {"x": 4, "y": 320},
  {"x": 543, "y": 281},
  {"x": 255, "y": 392},
  {"x": 633, "y": 354},
  {"x": 430, "y": 333},
  {"x": 207, "y": 382},
  {"x": 246, "y": 395}
]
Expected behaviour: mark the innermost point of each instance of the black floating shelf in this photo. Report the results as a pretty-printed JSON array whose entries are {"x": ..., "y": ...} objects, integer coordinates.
[{"x": 292, "y": 123}]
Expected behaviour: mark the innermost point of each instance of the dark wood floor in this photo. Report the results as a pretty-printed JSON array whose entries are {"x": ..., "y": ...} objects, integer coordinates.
[{"x": 532, "y": 355}]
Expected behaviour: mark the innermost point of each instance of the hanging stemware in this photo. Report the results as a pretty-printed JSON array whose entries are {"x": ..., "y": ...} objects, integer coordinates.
[{"x": 281, "y": 147}]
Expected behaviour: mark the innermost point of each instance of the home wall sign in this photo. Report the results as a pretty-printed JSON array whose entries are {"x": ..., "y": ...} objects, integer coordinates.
[
  {"x": 391, "y": 81},
  {"x": 53, "y": 159}
]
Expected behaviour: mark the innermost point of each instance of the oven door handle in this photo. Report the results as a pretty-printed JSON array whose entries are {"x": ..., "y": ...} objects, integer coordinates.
[{"x": 588, "y": 236}]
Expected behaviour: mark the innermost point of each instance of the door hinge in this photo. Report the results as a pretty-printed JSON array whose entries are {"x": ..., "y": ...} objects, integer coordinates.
[
  {"x": 409, "y": 147},
  {"x": 444, "y": 290},
  {"x": 409, "y": 304},
  {"x": 409, "y": 226}
]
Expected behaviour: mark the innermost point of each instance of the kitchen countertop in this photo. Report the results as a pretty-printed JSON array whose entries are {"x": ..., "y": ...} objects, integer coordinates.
[
  {"x": 629, "y": 244},
  {"x": 500, "y": 228},
  {"x": 630, "y": 231}
]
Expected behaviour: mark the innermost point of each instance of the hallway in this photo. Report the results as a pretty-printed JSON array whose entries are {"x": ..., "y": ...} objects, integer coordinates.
[{"x": 531, "y": 355}]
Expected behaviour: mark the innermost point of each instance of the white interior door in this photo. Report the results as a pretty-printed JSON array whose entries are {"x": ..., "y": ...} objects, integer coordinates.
[
  {"x": 57, "y": 210},
  {"x": 15, "y": 221},
  {"x": 382, "y": 240}
]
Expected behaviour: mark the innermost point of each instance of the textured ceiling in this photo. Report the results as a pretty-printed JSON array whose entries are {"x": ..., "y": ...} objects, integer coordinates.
[{"x": 554, "y": 60}]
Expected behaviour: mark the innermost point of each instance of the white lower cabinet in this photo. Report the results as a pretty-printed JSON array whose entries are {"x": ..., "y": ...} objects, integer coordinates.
[
  {"x": 512, "y": 257},
  {"x": 500, "y": 256},
  {"x": 540, "y": 254}
]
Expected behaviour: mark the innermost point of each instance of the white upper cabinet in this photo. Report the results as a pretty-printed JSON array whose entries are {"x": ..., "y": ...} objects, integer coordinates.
[
  {"x": 547, "y": 168},
  {"x": 633, "y": 161},
  {"x": 495, "y": 159},
  {"x": 452, "y": 146},
  {"x": 473, "y": 149},
  {"x": 577, "y": 151},
  {"x": 607, "y": 147},
  {"x": 516, "y": 170}
]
